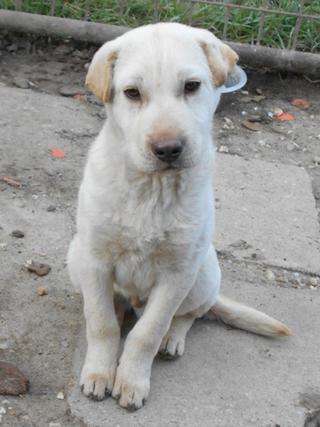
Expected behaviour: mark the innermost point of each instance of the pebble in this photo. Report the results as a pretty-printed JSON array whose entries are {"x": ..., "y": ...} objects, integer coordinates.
[
  {"x": 4, "y": 343},
  {"x": 71, "y": 90},
  {"x": 51, "y": 208},
  {"x": 18, "y": 234},
  {"x": 42, "y": 291},
  {"x": 276, "y": 111},
  {"x": 37, "y": 267},
  {"x": 270, "y": 275},
  {"x": 223, "y": 149},
  {"x": 21, "y": 83},
  {"x": 316, "y": 159},
  {"x": 2, "y": 410},
  {"x": 312, "y": 281},
  {"x": 12, "y": 48},
  {"x": 12, "y": 380},
  {"x": 63, "y": 49},
  {"x": 60, "y": 395},
  {"x": 228, "y": 123}
]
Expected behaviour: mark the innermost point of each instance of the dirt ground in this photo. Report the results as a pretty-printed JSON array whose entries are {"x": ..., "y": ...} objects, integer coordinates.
[{"x": 47, "y": 66}]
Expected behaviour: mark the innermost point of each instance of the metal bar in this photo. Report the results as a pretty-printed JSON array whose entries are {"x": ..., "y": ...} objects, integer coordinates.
[
  {"x": 189, "y": 11},
  {"x": 297, "y": 26},
  {"x": 261, "y": 25},
  {"x": 226, "y": 19},
  {"x": 122, "y": 5},
  {"x": 18, "y": 4},
  {"x": 156, "y": 10},
  {"x": 53, "y": 7},
  {"x": 87, "y": 10},
  {"x": 256, "y": 9}
]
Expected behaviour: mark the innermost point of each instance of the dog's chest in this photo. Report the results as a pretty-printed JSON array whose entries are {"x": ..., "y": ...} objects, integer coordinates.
[{"x": 138, "y": 258}]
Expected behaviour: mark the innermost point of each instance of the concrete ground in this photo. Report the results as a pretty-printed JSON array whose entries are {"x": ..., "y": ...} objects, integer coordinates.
[{"x": 268, "y": 241}]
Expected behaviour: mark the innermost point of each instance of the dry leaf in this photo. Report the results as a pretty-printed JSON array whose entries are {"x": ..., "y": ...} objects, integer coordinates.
[
  {"x": 79, "y": 97},
  {"x": 251, "y": 126},
  {"x": 10, "y": 181},
  {"x": 57, "y": 153},
  {"x": 284, "y": 117},
  {"x": 301, "y": 103}
]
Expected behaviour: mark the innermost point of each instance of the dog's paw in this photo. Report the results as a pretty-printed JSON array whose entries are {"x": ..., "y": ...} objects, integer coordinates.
[
  {"x": 172, "y": 346},
  {"x": 131, "y": 393},
  {"x": 97, "y": 385}
]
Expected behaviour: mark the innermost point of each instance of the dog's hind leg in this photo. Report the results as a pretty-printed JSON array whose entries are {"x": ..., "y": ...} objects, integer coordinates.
[
  {"x": 199, "y": 300},
  {"x": 173, "y": 343}
]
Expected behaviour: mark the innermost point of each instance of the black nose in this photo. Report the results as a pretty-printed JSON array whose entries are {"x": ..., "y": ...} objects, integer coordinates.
[{"x": 167, "y": 151}]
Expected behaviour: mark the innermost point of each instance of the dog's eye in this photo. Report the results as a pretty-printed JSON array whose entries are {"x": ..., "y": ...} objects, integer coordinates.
[
  {"x": 132, "y": 93},
  {"x": 191, "y": 86}
]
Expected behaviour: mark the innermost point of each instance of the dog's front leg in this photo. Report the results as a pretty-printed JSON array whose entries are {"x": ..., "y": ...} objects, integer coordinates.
[
  {"x": 103, "y": 332},
  {"x": 133, "y": 374}
]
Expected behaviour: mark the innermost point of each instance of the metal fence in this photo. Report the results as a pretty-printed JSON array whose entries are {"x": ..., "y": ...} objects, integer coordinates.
[{"x": 300, "y": 19}]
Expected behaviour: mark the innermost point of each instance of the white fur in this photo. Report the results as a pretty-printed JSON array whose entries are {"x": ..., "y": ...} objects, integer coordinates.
[{"x": 142, "y": 229}]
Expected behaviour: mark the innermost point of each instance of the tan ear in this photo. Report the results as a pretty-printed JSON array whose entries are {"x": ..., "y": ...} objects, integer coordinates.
[
  {"x": 99, "y": 76},
  {"x": 221, "y": 58}
]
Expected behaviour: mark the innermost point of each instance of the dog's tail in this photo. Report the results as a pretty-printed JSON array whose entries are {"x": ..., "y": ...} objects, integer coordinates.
[{"x": 243, "y": 317}]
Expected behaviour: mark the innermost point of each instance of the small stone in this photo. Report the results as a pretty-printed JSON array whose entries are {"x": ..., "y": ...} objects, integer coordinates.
[
  {"x": 18, "y": 234},
  {"x": 60, "y": 395},
  {"x": 312, "y": 281},
  {"x": 316, "y": 159},
  {"x": 223, "y": 149},
  {"x": 228, "y": 123},
  {"x": 21, "y": 83},
  {"x": 63, "y": 49},
  {"x": 12, "y": 380},
  {"x": 37, "y": 267},
  {"x": 42, "y": 291},
  {"x": 251, "y": 126},
  {"x": 270, "y": 275},
  {"x": 71, "y": 91},
  {"x": 51, "y": 208},
  {"x": 277, "y": 111},
  {"x": 12, "y": 48},
  {"x": 4, "y": 343},
  {"x": 2, "y": 410}
]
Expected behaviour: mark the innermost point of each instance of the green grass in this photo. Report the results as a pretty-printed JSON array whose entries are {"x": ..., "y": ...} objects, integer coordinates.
[{"x": 243, "y": 25}]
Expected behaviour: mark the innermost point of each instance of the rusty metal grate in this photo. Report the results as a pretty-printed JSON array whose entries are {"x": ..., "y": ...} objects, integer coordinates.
[
  {"x": 294, "y": 14},
  {"x": 264, "y": 10}
]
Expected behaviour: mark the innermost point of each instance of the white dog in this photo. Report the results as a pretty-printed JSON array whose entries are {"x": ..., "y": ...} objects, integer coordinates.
[{"x": 146, "y": 206}]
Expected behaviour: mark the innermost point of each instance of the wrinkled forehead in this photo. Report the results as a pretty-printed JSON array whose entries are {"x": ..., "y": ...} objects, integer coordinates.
[{"x": 156, "y": 56}]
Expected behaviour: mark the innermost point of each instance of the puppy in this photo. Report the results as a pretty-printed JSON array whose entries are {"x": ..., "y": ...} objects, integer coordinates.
[{"x": 145, "y": 216}]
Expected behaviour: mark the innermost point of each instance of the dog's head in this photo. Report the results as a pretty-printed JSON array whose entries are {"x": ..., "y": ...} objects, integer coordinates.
[{"x": 160, "y": 84}]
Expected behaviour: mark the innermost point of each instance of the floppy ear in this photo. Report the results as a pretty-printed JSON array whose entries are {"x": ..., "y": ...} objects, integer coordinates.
[
  {"x": 99, "y": 76},
  {"x": 221, "y": 58}
]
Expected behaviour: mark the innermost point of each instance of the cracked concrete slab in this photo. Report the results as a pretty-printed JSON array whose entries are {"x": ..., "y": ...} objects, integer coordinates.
[
  {"x": 227, "y": 377},
  {"x": 267, "y": 213}
]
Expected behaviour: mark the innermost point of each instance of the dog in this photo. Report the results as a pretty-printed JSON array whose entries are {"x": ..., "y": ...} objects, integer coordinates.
[{"x": 145, "y": 217}]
